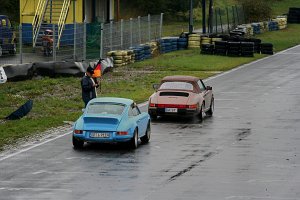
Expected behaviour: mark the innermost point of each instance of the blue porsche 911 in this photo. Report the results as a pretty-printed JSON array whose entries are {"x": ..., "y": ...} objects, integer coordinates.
[{"x": 112, "y": 120}]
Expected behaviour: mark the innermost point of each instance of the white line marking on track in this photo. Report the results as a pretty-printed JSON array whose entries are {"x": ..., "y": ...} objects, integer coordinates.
[
  {"x": 32, "y": 147},
  {"x": 34, "y": 189},
  {"x": 259, "y": 197}
]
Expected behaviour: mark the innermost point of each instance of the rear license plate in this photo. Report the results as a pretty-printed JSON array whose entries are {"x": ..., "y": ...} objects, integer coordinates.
[
  {"x": 171, "y": 110},
  {"x": 99, "y": 135}
]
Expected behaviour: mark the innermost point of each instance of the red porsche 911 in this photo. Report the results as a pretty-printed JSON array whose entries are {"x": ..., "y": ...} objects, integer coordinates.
[{"x": 181, "y": 96}]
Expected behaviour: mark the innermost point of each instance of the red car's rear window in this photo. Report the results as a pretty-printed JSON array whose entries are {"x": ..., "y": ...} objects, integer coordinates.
[{"x": 176, "y": 86}]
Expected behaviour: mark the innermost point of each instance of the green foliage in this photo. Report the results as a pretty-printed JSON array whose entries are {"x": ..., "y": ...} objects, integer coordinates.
[
  {"x": 11, "y": 9},
  {"x": 257, "y": 10}
]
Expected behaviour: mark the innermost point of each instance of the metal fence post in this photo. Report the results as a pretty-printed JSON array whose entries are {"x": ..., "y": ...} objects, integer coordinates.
[
  {"x": 54, "y": 43},
  {"x": 74, "y": 45},
  {"x": 161, "y": 25},
  {"x": 233, "y": 16},
  {"x": 131, "y": 33},
  {"x": 111, "y": 35},
  {"x": 84, "y": 40},
  {"x": 221, "y": 23},
  {"x": 139, "y": 25},
  {"x": 149, "y": 27},
  {"x": 216, "y": 20},
  {"x": 243, "y": 8},
  {"x": 21, "y": 43},
  {"x": 227, "y": 20},
  {"x": 101, "y": 40},
  {"x": 122, "y": 33},
  {"x": 237, "y": 15}
]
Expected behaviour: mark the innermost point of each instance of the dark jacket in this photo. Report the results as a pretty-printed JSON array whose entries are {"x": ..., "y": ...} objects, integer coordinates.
[{"x": 88, "y": 91}]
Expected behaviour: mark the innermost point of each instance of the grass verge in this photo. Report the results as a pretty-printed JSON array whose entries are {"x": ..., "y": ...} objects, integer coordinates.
[{"x": 57, "y": 100}]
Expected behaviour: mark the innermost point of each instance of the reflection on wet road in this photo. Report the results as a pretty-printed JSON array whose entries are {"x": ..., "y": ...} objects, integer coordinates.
[{"x": 249, "y": 149}]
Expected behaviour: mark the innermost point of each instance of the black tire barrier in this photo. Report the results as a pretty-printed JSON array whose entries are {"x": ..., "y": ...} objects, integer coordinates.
[
  {"x": 19, "y": 72},
  {"x": 294, "y": 15},
  {"x": 53, "y": 69},
  {"x": 267, "y": 52},
  {"x": 234, "y": 44},
  {"x": 247, "y": 49},
  {"x": 266, "y": 48},
  {"x": 247, "y": 54},
  {"x": 50, "y": 69},
  {"x": 247, "y": 44},
  {"x": 221, "y": 43},
  {"x": 221, "y": 52},
  {"x": 236, "y": 33}
]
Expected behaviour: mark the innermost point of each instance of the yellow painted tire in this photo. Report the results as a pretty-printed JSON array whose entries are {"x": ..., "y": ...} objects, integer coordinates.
[
  {"x": 118, "y": 57},
  {"x": 194, "y": 47},
  {"x": 194, "y": 43},
  {"x": 118, "y": 61},
  {"x": 110, "y": 53},
  {"x": 117, "y": 65},
  {"x": 216, "y": 39},
  {"x": 118, "y": 53},
  {"x": 194, "y": 39}
]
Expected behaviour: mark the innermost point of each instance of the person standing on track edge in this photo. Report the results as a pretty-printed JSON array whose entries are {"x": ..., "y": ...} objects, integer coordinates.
[{"x": 88, "y": 86}]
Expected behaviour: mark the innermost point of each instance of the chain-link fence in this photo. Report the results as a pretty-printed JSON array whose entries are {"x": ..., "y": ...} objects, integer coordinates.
[
  {"x": 79, "y": 41},
  {"x": 128, "y": 33},
  {"x": 226, "y": 19}
]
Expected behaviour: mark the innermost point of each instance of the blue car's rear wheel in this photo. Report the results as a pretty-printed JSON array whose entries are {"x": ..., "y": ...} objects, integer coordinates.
[
  {"x": 78, "y": 144},
  {"x": 133, "y": 143},
  {"x": 145, "y": 139}
]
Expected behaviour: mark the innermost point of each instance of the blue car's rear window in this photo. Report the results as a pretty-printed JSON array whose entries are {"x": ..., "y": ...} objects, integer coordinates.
[{"x": 105, "y": 108}]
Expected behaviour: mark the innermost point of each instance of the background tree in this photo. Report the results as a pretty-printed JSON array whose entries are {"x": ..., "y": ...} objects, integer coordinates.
[
  {"x": 257, "y": 10},
  {"x": 11, "y": 9}
]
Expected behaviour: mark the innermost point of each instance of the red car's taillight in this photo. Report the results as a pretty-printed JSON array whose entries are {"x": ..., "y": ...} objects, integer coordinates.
[
  {"x": 152, "y": 105},
  {"x": 78, "y": 131},
  {"x": 195, "y": 106},
  {"x": 171, "y": 106}
]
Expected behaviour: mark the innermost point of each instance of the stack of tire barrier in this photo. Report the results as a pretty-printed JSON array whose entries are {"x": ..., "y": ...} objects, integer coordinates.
[
  {"x": 139, "y": 53},
  {"x": 194, "y": 41},
  {"x": 282, "y": 22},
  {"x": 215, "y": 39},
  {"x": 294, "y": 16},
  {"x": 182, "y": 43},
  {"x": 154, "y": 48},
  {"x": 256, "y": 28},
  {"x": 247, "y": 49},
  {"x": 221, "y": 48},
  {"x": 233, "y": 49},
  {"x": 264, "y": 26},
  {"x": 273, "y": 26},
  {"x": 205, "y": 39},
  {"x": 174, "y": 42},
  {"x": 256, "y": 42},
  {"x": 165, "y": 45},
  {"x": 249, "y": 30},
  {"x": 207, "y": 49},
  {"x": 266, "y": 48},
  {"x": 122, "y": 58},
  {"x": 147, "y": 51}
]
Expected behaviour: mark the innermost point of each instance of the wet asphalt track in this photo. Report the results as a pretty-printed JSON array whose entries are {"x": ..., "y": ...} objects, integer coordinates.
[{"x": 249, "y": 149}]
